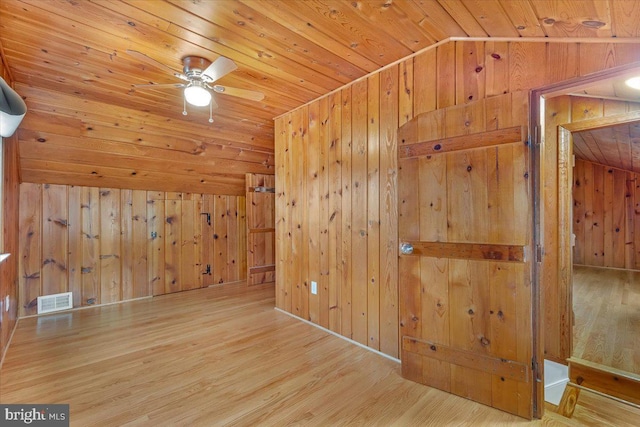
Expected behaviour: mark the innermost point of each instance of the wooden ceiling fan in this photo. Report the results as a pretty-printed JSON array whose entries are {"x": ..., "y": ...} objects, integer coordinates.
[{"x": 199, "y": 76}]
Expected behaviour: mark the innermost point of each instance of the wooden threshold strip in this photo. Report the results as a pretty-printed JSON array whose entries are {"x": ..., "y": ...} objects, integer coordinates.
[
  {"x": 262, "y": 269},
  {"x": 604, "y": 379},
  {"x": 505, "y": 368},
  {"x": 465, "y": 142},
  {"x": 474, "y": 251}
]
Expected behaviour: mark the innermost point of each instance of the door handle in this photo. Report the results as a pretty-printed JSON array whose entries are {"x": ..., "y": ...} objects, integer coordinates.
[{"x": 406, "y": 248}]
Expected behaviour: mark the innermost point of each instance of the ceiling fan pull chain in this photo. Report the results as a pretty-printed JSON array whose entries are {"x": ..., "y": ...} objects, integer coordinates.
[
  {"x": 184, "y": 106},
  {"x": 211, "y": 112}
]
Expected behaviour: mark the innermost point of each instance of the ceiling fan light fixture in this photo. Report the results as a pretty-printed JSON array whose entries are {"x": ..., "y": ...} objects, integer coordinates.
[
  {"x": 633, "y": 82},
  {"x": 196, "y": 94}
]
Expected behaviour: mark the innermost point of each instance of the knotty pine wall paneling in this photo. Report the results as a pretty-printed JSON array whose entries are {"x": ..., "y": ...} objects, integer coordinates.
[
  {"x": 363, "y": 294},
  {"x": 605, "y": 220},
  {"x": 109, "y": 245}
]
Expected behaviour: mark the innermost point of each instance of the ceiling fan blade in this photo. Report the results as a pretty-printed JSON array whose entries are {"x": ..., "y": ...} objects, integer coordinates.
[
  {"x": 144, "y": 58},
  {"x": 240, "y": 93},
  {"x": 219, "y": 68},
  {"x": 161, "y": 86}
]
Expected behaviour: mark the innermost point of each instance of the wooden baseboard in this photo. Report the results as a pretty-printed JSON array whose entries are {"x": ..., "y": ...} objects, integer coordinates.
[{"x": 378, "y": 352}]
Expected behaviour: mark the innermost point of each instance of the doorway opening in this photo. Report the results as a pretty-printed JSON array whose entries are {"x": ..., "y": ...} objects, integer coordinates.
[{"x": 571, "y": 209}]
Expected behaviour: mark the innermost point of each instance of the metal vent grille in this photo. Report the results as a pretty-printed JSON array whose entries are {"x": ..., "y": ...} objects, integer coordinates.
[{"x": 55, "y": 302}]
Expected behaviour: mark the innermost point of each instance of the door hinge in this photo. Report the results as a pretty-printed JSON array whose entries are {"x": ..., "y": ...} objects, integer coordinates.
[
  {"x": 535, "y": 368},
  {"x": 262, "y": 189},
  {"x": 539, "y": 253},
  {"x": 208, "y": 270},
  {"x": 534, "y": 139},
  {"x": 208, "y": 217}
]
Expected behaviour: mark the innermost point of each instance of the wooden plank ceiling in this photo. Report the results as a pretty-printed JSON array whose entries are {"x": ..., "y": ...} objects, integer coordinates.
[
  {"x": 87, "y": 125},
  {"x": 614, "y": 146}
]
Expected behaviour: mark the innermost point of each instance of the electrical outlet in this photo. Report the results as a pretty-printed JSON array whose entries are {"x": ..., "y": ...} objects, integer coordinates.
[
  {"x": 6, "y": 303},
  {"x": 314, "y": 287}
]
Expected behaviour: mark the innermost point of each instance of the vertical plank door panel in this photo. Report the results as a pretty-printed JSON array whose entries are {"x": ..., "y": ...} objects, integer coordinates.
[{"x": 466, "y": 322}]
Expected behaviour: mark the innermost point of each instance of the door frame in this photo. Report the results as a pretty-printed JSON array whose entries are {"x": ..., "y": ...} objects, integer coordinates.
[{"x": 564, "y": 168}]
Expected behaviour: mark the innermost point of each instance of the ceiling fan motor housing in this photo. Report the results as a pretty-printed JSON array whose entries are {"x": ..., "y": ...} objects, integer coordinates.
[{"x": 193, "y": 66}]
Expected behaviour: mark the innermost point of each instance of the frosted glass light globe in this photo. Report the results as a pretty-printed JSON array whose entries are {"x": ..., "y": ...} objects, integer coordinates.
[
  {"x": 197, "y": 95},
  {"x": 633, "y": 82}
]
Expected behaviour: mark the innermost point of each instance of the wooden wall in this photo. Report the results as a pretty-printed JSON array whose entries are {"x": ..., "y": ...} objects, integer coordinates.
[
  {"x": 108, "y": 245},
  {"x": 605, "y": 218},
  {"x": 336, "y": 161},
  {"x": 9, "y": 268}
]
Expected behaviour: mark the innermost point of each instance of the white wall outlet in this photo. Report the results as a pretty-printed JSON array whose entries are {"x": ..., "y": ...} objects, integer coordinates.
[{"x": 314, "y": 287}]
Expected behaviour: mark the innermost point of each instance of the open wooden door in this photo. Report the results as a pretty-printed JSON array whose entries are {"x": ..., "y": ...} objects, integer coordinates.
[
  {"x": 261, "y": 249},
  {"x": 465, "y": 267}
]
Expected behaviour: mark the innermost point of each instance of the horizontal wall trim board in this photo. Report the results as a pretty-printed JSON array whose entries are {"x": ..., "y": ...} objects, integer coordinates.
[
  {"x": 262, "y": 230},
  {"x": 465, "y": 142},
  {"x": 373, "y": 350},
  {"x": 262, "y": 269},
  {"x": 507, "y": 368},
  {"x": 601, "y": 122},
  {"x": 473, "y": 251}
]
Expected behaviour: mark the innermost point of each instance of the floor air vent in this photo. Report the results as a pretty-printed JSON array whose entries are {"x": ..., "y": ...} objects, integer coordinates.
[{"x": 55, "y": 302}]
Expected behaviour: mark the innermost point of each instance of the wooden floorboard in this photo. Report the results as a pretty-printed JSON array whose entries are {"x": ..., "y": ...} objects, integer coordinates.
[
  {"x": 606, "y": 305},
  {"x": 224, "y": 356}
]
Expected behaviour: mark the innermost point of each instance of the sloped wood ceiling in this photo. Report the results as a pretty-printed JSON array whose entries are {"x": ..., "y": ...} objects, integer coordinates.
[
  {"x": 614, "y": 146},
  {"x": 88, "y": 126}
]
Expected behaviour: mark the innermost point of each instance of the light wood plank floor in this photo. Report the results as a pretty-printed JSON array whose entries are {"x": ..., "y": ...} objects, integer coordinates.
[
  {"x": 224, "y": 356},
  {"x": 606, "y": 305}
]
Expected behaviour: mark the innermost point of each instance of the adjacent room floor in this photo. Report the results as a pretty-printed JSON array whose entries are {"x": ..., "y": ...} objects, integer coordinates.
[
  {"x": 606, "y": 306},
  {"x": 225, "y": 356}
]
